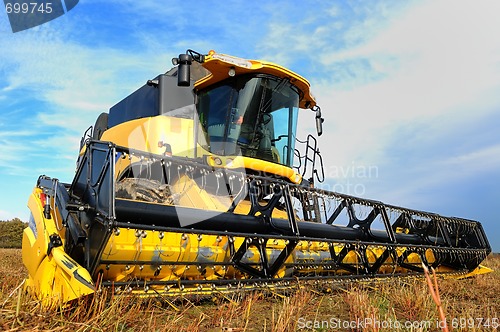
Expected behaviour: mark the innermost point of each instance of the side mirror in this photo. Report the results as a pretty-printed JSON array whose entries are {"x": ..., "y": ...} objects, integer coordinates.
[
  {"x": 319, "y": 122},
  {"x": 184, "y": 70}
]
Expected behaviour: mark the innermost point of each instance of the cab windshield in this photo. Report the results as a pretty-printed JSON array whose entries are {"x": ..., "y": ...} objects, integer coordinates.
[{"x": 253, "y": 116}]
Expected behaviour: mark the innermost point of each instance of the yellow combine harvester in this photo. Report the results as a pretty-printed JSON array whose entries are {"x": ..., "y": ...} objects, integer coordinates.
[{"x": 196, "y": 183}]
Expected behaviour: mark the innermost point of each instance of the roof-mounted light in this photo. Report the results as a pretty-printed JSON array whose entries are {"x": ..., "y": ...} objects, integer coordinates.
[{"x": 233, "y": 60}]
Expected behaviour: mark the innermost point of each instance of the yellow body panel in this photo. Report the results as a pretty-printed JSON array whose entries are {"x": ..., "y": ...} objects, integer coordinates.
[
  {"x": 145, "y": 134},
  {"x": 265, "y": 168},
  {"x": 190, "y": 195},
  {"x": 53, "y": 277}
]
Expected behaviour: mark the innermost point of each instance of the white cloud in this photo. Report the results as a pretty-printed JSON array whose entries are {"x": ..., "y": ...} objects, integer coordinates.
[
  {"x": 472, "y": 162},
  {"x": 438, "y": 65},
  {"x": 13, "y": 151}
]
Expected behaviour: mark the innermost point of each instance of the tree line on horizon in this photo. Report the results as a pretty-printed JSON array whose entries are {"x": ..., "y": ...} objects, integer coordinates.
[{"x": 11, "y": 233}]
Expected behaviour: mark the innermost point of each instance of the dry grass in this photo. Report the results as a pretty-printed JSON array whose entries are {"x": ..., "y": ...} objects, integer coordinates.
[{"x": 371, "y": 306}]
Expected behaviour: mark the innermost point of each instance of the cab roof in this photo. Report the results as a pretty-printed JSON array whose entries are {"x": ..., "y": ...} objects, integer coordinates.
[{"x": 219, "y": 65}]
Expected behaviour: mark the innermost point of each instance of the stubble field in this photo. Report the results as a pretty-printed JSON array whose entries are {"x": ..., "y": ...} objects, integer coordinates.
[{"x": 394, "y": 305}]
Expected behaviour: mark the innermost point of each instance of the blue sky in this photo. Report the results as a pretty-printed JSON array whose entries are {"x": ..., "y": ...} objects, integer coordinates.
[{"x": 410, "y": 89}]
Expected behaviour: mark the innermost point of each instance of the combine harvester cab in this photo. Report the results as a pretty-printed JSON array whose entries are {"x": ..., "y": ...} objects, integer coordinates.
[{"x": 193, "y": 185}]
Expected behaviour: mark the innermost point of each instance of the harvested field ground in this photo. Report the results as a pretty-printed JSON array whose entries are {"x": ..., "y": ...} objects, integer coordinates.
[{"x": 395, "y": 305}]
